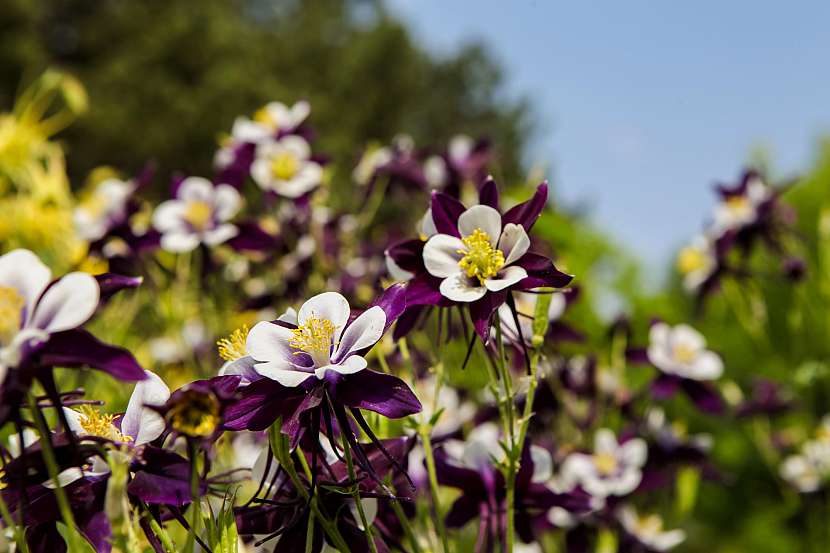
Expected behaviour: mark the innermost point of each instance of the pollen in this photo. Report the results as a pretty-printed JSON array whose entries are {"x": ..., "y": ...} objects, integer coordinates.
[
  {"x": 481, "y": 260},
  {"x": 195, "y": 414},
  {"x": 11, "y": 313},
  {"x": 691, "y": 259},
  {"x": 98, "y": 424},
  {"x": 198, "y": 215},
  {"x": 233, "y": 347},
  {"x": 284, "y": 166},
  {"x": 315, "y": 336},
  {"x": 605, "y": 463}
]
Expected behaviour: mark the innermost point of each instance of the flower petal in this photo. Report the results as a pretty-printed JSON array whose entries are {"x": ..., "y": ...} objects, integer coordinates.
[
  {"x": 169, "y": 216},
  {"x": 179, "y": 241},
  {"x": 79, "y": 348},
  {"x": 328, "y": 305},
  {"x": 481, "y": 217},
  {"x": 196, "y": 189},
  {"x": 514, "y": 242},
  {"x": 226, "y": 202},
  {"x": 220, "y": 234},
  {"x": 350, "y": 365},
  {"x": 441, "y": 255},
  {"x": 527, "y": 213},
  {"x": 363, "y": 332},
  {"x": 289, "y": 378},
  {"x": 139, "y": 421},
  {"x": 460, "y": 288},
  {"x": 26, "y": 273},
  {"x": 506, "y": 277},
  {"x": 67, "y": 304},
  {"x": 382, "y": 393},
  {"x": 270, "y": 342}
]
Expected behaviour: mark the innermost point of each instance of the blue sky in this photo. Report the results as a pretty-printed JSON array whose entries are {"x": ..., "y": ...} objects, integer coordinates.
[{"x": 645, "y": 104}]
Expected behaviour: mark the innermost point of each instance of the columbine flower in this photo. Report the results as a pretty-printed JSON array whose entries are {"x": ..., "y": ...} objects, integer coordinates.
[
  {"x": 649, "y": 531},
  {"x": 479, "y": 256},
  {"x": 39, "y": 320},
  {"x": 681, "y": 351},
  {"x": 199, "y": 215},
  {"x": 697, "y": 263},
  {"x": 614, "y": 468},
  {"x": 741, "y": 206},
  {"x": 680, "y": 354},
  {"x": 284, "y": 166},
  {"x": 271, "y": 119},
  {"x": 105, "y": 208},
  {"x": 809, "y": 470}
]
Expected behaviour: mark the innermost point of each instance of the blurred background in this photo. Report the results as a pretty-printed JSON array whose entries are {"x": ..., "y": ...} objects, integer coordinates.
[{"x": 633, "y": 110}]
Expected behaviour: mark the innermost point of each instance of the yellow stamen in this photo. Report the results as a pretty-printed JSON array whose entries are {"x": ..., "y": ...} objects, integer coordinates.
[
  {"x": 284, "y": 166},
  {"x": 691, "y": 259},
  {"x": 233, "y": 347},
  {"x": 683, "y": 353},
  {"x": 196, "y": 414},
  {"x": 313, "y": 337},
  {"x": 263, "y": 116},
  {"x": 98, "y": 424},
  {"x": 11, "y": 313},
  {"x": 605, "y": 463},
  {"x": 481, "y": 260},
  {"x": 198, "y": 215},
  {"x": 649, "y": 525}
]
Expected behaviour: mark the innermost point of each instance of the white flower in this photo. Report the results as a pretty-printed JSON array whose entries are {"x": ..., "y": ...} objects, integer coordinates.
[
  {"x": 481, "y": 260},
  {"x": 481, "y": 449},
  {"x": 140, "y": 424},
  {"x": 649, "y": 531},
  {"x": 199, "y": 214},
  {"x": 322, "y": 341},
  {"x": 460, "y": 148},
  {"x": 681, "y": 351},
  {"x": 31, "y": 309},
  {"x": 696, "y": 262},
  {"x": 105, "y": 206},
  {"x": 371, "y": 160},
  {"x": 285, "y": 167},
  {"x": 435, "y": 171},
  {"x": 740, "y": 210},
  {"x": 613, "y": 468}
]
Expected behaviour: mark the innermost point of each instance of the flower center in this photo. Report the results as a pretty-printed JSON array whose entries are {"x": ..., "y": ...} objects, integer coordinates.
[
  {"x": 233, "y": 347},
  {"x": 95, "y": 205},
  {"x": 315, "y": 337},
  {"x": 196, "y": 414},
  {"x": 649, "y": 526},
  {"x": 684, "y": 353},
  {"x": 198, "y": 215},
  {"x": 95, "y": 423},
  {"x": 481, "y": 260},
  {"x": 738, "y": 205},
  {"x": 11, "y": 313},
  {"x": 606, "y": 463},
  {"x": 284, "y": 166},
  {"x": 691, "y": 260},
  {"x": 263, "y": 116}
]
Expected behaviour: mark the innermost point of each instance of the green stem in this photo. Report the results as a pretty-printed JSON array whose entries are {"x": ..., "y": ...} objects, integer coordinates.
[
  {"x": 18, "y": 531},
  {"x": 160, "y": 533},
  {"x": 356, "y": 495},
  {"x": 195, "y": 500},
  {"x": 407, "y": 527},
  {"x": 423, "y": 432},
  {"x": 309, "y": 533},
  {"x": 52, "y": 468}
]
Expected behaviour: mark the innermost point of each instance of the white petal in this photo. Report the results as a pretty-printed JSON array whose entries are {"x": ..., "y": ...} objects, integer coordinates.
[
  {"x": 542, "y": 464},
  {"x": 460, "y": 288},
  {"x": 140, "y": 422},
  {"x": 73, "y": 418},
  {"x": 481, "y": 217},
  {"x": 370, "y": 511},
  {"x": 605, "y": 441},
  {"x": 514, "y": 242},
  {"x": 270, "y": 342},
  {"x": 668, "y": 540},
  {"x": 220, "y": 234},
  {"x": 286, "y": 377},
  {"x": 328, "y": 305},
  {"x": 308, "y": 177},
  {"x": 350, "y": 365},
  {"x": 659, "y": 335},
  {"x": 290, "y": 316},
  {"x": 299, "y": 112},
  {"x": 396, "y": 272},
  {"x": 506, "y": 277},
  {"x": 426, "y": 225},
  {"x": 169, "y": 216},
  {"x": 296, "y": 145},
  {"x": 261, "y": 173},
  {"x": 688, "y": 336},
  {"x": 196, "y": 189},
  {"x": 627, "y": 481},
  {"x": 67, "y": 304},
  {"x": 226, "y": 202},
  {"x": 362, "y": 333},
  {"x": 179, "y": 241},
  {"x": 65, "y": 478},
  {"x": 707, "y": 366},
  {"x": 634, "y": 452},
  {"x": 441, "y": 255},
  {"x": 26, "y": 273},
  {"x": 258, "y": 469}
]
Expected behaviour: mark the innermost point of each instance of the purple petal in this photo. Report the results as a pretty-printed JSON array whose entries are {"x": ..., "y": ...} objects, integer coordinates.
[
  {"x": 295, "y": 425},
  {"x": 424, "y": 290},
  {"x": 393, "y": 303},
  {"x": 252, "y": 238},
  {"x": 526, "y": 213},
  {"x": 489, "y": 194},
  {"x": 481, "y": 312},
  {"x": 445, "y": 213},
  {"x": 260, "y": 404},
  {"x": 382, "y": 393},
  {"x": 541, "y": 272},
  {"x": 664, "y": 386},
  {"x": 704, "y": 396},
  {"x": 408, "y": 255},
  {"x": 79, "y": 348},
  {"x": 110, "y": 283}
]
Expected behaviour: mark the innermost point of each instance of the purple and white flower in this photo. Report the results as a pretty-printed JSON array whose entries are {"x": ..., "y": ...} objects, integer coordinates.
[
  {"x": 105, "y": 208},
  {"x": 740, "y": 209},
  {"x": 649, "y": 530},
  {"x": 681, "y": 351},
  {"x": 284, "y": 166},
  {"x": 198, "y": 215},
  {"x": 613, "y": 469},
  {"x": 322, "y": 341}
]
